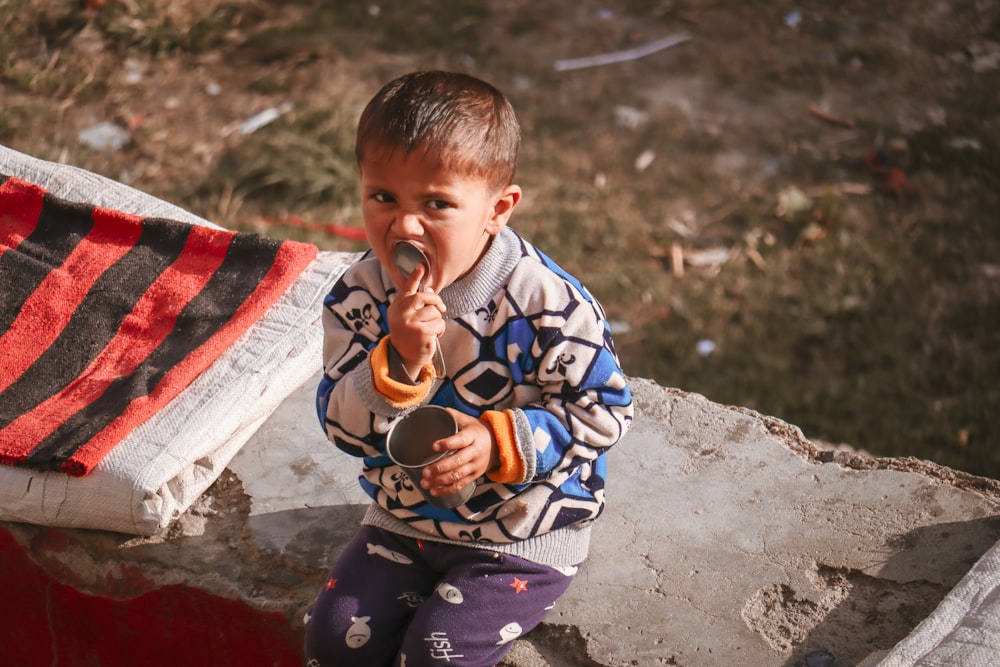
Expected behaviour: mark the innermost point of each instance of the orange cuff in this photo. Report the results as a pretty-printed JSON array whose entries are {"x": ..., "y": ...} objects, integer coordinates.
[
  {"x": 512, "y": 467},
  {"x": 397, "y": 394}
]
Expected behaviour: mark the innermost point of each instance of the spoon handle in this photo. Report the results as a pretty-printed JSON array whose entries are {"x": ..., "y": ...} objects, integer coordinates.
[{"x": 439, "y": 369}]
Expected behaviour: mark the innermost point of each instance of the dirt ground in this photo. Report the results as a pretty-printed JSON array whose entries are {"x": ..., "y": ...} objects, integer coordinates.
[{"x": 793, "y": 208}]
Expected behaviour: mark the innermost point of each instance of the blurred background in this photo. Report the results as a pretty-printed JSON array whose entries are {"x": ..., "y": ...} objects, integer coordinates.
[{"x": 785, "y": 206}]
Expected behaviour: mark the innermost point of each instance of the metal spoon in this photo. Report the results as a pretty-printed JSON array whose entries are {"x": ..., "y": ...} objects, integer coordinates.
[{"x": 408, "y": 257}]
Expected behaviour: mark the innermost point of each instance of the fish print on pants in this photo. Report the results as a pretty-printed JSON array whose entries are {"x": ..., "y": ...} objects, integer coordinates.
[
  {"x": 449, "y": 593},
  {"x": 509, "y": 633},
  {"x": 389, "y": 554},
  {"x": 359, "y": 633}
]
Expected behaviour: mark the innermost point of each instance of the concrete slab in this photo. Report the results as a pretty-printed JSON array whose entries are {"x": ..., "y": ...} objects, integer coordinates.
[
  {"x": 727, "y": 534},
  {"x": 728, "y": 540}
]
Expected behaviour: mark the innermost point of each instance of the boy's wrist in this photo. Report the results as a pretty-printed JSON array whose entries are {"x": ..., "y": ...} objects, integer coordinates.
[
  {"x": 397, "y": 367},
  {"x": 399, "y": 393}
]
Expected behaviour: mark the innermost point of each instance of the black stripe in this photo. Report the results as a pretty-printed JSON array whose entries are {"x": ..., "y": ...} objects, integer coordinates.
[
  {"x": 248, "y": 259},
  {"x": 96, "y": 320},
  {"x": 61, "y": 226}
]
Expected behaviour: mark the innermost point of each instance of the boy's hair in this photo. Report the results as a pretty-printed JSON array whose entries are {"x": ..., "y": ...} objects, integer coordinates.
[{"x": 463, "y": 121}]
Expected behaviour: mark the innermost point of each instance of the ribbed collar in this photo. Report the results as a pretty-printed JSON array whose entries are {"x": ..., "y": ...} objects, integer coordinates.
[{"x": 489, "y": 275}]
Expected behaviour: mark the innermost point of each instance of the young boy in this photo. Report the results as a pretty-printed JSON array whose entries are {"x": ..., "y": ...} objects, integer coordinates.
[{"x": 532, "y": 379}]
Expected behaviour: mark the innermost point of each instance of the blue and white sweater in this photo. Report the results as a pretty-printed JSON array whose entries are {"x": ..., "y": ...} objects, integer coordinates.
[{"x": 523, "y": 339}]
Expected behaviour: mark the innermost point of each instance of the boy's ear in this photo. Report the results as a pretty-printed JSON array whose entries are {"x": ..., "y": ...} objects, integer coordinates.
[{"x": 503, "y": 207}]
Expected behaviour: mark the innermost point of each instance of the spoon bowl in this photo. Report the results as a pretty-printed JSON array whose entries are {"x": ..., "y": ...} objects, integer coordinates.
[{"x": 408, "y": 257}]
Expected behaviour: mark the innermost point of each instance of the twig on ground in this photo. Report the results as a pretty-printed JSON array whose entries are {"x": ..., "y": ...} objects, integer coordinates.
[
  {"x": 829, "y": 117},
  {"x": 840, "y": 189},
  {"x": 677, "y": 260},
  {"x": 622, "y": 56}
]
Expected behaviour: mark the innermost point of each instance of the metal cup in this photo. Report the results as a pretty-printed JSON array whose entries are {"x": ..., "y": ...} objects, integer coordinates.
[{"x": 409, "y": 444}]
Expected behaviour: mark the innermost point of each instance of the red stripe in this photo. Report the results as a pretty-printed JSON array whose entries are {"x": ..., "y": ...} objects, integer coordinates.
[
  {"x": 49, "y": 308},
  {"x": 22, "y": 206},
  {"x": 291, "y": 259},
  {"x": 142, "y": 330}
]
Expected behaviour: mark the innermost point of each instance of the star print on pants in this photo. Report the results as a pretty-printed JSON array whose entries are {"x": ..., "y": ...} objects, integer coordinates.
[
  {"x": 332, "y": 583},
  {"x": 519, "y": 585}
]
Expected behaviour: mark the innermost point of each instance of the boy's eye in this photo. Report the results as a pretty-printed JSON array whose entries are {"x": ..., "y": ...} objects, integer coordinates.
[
  {"x": 382, "y": 198},
  {"x": 439, "y": 204}
]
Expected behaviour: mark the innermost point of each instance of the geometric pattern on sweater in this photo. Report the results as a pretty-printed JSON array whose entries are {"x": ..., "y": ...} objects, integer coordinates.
[{"x": 521, "y": 335}]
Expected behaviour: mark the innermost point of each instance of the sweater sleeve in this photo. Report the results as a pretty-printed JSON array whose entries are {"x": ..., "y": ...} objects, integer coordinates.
[
  {"x": 513, "y": 467},
  {"x": 583, "y": 405},
  {"x": 357, "y": 399},
  {"x": 398, "y": 394}
]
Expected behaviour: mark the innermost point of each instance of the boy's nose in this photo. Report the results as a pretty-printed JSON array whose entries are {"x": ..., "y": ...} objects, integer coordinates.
[{"x": 409, "y": 224}]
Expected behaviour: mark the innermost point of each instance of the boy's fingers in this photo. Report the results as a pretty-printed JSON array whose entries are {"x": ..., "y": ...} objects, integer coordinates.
[
  {"x": 450, "y": 482},
  {"x": 424, "y": 299},
  {"x": 457, "y": 441},
  {"x": 412, "y": 284}
]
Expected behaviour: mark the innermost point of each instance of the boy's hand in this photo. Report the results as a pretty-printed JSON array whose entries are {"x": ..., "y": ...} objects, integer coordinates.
[
  {"x": 476, "y": 453},
  {"x": 416, "y": 319}
]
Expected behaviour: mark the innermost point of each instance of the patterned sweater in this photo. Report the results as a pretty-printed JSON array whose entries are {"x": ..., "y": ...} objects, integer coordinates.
[{"x": 529, "y": 351}]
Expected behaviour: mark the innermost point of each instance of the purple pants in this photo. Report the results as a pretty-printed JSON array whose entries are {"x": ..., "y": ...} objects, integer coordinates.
[{"x": 393, "y": 601}]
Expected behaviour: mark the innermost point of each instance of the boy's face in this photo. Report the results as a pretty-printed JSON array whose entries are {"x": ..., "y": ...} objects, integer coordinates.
[{"x": 448, "y": 215}]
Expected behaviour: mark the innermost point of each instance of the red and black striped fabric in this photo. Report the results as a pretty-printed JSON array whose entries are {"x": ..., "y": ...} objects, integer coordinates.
[{"x": 105, "y": 317}]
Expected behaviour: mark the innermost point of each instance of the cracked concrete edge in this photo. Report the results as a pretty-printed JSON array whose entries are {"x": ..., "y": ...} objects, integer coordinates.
[
  {"x": 847, "y": 456},
  {"x": 793, "y": 438}
]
